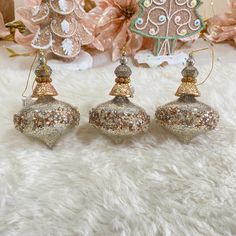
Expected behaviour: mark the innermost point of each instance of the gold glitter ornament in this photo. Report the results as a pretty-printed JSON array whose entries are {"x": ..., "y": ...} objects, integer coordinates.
[
  {"x": 186, "y": 117},
  {"x": 46, "y": 118},
  {"x": 119, "y": 118}
]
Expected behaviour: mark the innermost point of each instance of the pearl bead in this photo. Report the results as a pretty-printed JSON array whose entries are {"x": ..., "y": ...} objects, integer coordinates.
[
  {"x": 183, "y": 32},
  {"x": 193, "y": 3},
  {"x": 147, "y": 3},
  {"x": 152, "y": 31}
]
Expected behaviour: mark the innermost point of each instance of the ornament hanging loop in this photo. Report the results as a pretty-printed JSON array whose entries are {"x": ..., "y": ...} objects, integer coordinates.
[
  {"x": 29, "y": 75},
  {"x": 191, "y": 54},
  {"x": 196, "y": 51},
  {"x": 125, "y": 50}
]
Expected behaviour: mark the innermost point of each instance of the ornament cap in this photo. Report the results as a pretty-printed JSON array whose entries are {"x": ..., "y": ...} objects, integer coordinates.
[
  {"x": 188, "y": 85},
  {"x": 43, "y": 70},
  {"x": 44, "y": 89},
  {"x": 43, "y": 79},
  {"x": 123, "y": 90},
  {"x": 123, "y": 73},
  {"x": 190, "y": 70}
]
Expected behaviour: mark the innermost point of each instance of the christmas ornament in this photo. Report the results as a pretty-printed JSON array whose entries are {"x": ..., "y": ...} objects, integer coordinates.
[
  {"x": 46, "y": 118},
  {"x": 166, "y": 21},
  {"x": 57, "y": 26},
  {"x": 120, "y": 118},
  {"x": 187, "y": 117}
]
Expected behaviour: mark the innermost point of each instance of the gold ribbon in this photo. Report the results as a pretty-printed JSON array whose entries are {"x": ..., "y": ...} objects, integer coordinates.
[
  {"x": 16, "y": 54},
  {"x": 89, "y": 5},
  {"x": 12, "y": 26}
]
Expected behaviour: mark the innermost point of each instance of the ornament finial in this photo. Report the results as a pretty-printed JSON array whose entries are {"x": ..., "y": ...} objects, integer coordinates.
[
  {"x": 43, "y": 78},
  {"x": 123, "y": 72},
  {"x": 119, "y": 118},
  {"x": 186, "y": 117},
  {"x": 188, "y": 85}
]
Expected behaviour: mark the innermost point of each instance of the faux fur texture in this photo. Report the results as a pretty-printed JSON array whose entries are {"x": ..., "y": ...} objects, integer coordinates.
[{"x": 151, "y": 185}]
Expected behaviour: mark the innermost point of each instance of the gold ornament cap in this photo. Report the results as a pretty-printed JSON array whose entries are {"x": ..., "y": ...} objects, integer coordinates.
[
  {"x": 188, "y": 85},
  {"x": 123, "y": 72},
  {"x": 43, "y": 78}
]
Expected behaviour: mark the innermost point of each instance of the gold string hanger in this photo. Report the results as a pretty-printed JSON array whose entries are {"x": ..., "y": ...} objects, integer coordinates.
[
  {"x": 212, "y": 7},
  {"x": 212, "y": 59},
  {"x": 29, "y": 75},
  {"x": 212, "y": 11},
  {"x": 125, "y": 49}
]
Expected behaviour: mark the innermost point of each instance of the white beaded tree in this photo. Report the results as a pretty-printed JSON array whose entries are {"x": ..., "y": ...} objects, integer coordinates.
[
  {"x": 166, "y": 21},
  {"x": 61, "y": 31}
]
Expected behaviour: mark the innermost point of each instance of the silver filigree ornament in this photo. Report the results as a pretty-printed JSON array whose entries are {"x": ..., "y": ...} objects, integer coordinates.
[
  {"x": 46, "y": 119},
  {"x": 186, "y": 117},
  {"x": 119, "y": 118}
]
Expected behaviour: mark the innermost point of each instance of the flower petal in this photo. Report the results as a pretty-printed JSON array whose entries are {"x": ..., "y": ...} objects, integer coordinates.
[
  {"x": 24, "y": 40},
  {"x": 24, "y": 14},
  {"x": 3, "y": 30}
]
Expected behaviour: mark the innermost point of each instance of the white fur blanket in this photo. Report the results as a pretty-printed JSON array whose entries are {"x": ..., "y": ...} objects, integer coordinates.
[{"x": 149, "y": 186}]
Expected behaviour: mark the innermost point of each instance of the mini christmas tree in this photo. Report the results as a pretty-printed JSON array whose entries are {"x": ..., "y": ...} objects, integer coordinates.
[
  {"x": 61, "y": 31},
  {"x": 166, "y": 21}
]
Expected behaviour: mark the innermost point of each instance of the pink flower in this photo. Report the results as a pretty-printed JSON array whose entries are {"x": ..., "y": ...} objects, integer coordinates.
[
  {"x": 4, "y": 32},
  {"x": 24, "y": 14},
  {"x": 112, "y": 19},
  {"x": 232, "y": 5},
  {"x": 89, "y": 20},
  {"x": 223, "y": 27}
]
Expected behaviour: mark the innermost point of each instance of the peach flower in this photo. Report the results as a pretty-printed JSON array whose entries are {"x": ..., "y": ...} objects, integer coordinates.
[
  {"x": 223, "y": 27},
  {"x": 4, "y": 32},
  {"x": 24, "y": 14},
  {"x": 112, "y": 19}
]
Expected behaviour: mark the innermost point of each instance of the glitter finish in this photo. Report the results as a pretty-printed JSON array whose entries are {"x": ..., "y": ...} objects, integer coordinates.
[
  {"x": 44, "y": 88},
  {"x": 123, "y": 71},
  {"x": 119, "y": 118},
  {"x": 187, "y": 118},
  {"x": 122, "y": 88},
  {"x": 43, "y": 79},
  {"x": 188, "y": 86},
  {"x": 47, "y": 120}
]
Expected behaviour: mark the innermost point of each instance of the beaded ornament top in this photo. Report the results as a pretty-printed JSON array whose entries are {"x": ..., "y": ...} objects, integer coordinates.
[
  {"x": 123, "y": 72},
  {"x": 188, "y": 85},
  {"x": 43, "y": 78}
]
